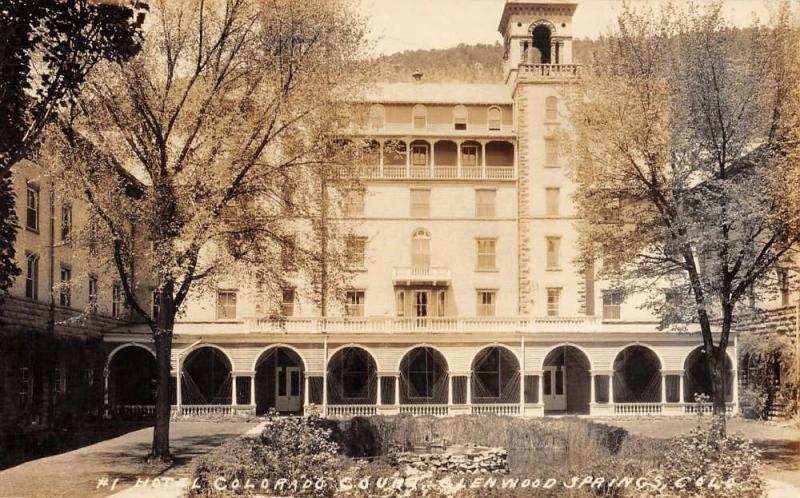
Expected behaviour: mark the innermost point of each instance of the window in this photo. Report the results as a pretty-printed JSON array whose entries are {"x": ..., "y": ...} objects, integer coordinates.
[
  {"x": 495, "y": 118},
  {"x": 25, "y": 387},
  {"x": 612, "y": 303},
  {"x": 783, "y": 285},
  {"x": 355, "y": 369},
  {"x": 469, "y": 155},
  {"x": 420, "y": 117},
  {"x": 377, "y": 116},
  {"x": 64, "y": 297},
  {"x": 117, "y": 308},
  {"x": 66, "y": 222},
  {"x": 32, "y": 211},
  {"x": 287, "y": 302},
  {"x": 92, "y": 294},
  {"x": 59, "y": 382},
  {"x": 354, "y": 303},
  {"x": 551, "y": 197},
  {"x": 420, "y": 203},
  {"x": 288, "y": 255},
  {"x": 226, "y": 305},
  {"x": 550, "y": 153},
  {"x": 611, "y": 210},
  {"x": 356, "y": 249},
  {"x": 155, "y": 305},
  {"x": 441, "y": 303},
  {"x": 487, "y": 254},
  {"x": 553, "y": 250},
  {"x": 32, "y": 277},
  {"x": 419, "y": 154},
  {"x": 486, "y": 302},
  {"x": 354, "y": 202},
  {"x": 460, "y": 118},
  {"x": 551, "y": 109},
  {"x": 484, "y": 203},
  {"x": 400, "y": 303},
  {"x": 421, "y": 249},
  {"x": 553, "y": 301}
]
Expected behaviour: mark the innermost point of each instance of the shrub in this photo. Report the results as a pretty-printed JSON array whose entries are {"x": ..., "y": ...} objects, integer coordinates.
[
  {"x": 291, "y": 448},
  {"x": 704, "y": 460}
]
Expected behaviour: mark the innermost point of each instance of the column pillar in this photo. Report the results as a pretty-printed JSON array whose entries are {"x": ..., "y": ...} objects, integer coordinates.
[
  {"x": 469, "y": 389},
  {"x": 253, "y": 389},
  {"x": 663, "y": 388},
  {"x": 450, "y": 390},
  {"x": 522, "y": 392},
  {"x": 105, "y": 392},
  {"x": 433, "y": 157},
  {"x": 397, "y": 390},
  {"x": 541, "y": 389},
  {"x": 611, "y": 388},
  {"x": 380, "y": 158},
  {"x": 306, "y": 385},
  {"x": 408, "y": 158},
  {"x": 483, "y": 159},
  {"x": 458, "y": 158},
  {"x": 178, "y": 382},
  {"x": 233, "y": 391},
  {"x": 325, "y": 379},
  {"x": 379, "y": 399},
  {"x": 680, "y": 389},
  {"x": 592, "y": 394},
  {"x": 735, "y": 393}
]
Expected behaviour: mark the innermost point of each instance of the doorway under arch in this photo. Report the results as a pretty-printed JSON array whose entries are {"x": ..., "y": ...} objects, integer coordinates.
[
  {"x": 565, "y": 381},
  {"x": 279, "y": 381},
  {"x": 131, "y": 377}
]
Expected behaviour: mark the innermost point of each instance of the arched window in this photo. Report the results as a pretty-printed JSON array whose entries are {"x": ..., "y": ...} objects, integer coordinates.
[
  {"x": 377, "y": 116},
  {"x": 495, "y": 118},
  {"x": 421, "y": 249},
  {"x": 541, "y": 40},
  {"x": 460, "y": 117},
  {"x": 551, "y": 109},
  {"x": 419, "y": 116}
]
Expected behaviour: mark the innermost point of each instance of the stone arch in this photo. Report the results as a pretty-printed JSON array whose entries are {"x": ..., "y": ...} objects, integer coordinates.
[
  {"x": 132, "y": 376},
  {"x": 206, "y": 373},
  {"x": 566, "y": 380},
  {"x": 424, "y": 376},
  {"x": 279, "y": 377},
  {"x": 353, "y": 345},
  {"x": 637, "y": 374},
  {"x": 352, "y": 374},
  {"x": 697, "y": 378},
  {"x": 495, "y": 375},
  {"x": 280, "y": 345},
  {"x": 579, "y": 348},
  {"x": 123, "y": 346}
]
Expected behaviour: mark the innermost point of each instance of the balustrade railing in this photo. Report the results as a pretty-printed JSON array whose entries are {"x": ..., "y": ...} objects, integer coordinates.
[
  {"x": 433, "y": 410},
  {"x": 351, "y": 410},
  {"x": 638, "y": 408},
  {"x": 496, "y": 409},
  {"x": 190, "y": 410},
  {"x": 705, "y": 408},
  {"x": 549, "y": 70},
  {"x": 441, "y": 172}
]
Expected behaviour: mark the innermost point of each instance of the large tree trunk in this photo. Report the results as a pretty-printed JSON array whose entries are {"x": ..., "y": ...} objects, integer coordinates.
[
  {"x": 163, "y": 340},
  {"x": 719, "y": 381}
]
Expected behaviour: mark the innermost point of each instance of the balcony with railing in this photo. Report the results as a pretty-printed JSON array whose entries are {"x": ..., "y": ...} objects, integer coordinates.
[
  {"x": 439, "y": 159},
  {"x": 429, "y": 275},
  {"x": 548, "y": 72}
]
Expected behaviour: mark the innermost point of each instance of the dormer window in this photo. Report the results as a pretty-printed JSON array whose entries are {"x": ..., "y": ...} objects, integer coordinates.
[
  {"x": 419, "y": 115},
  {"x": 460, "y": 118},
  {"x": 495, "y": 118}
]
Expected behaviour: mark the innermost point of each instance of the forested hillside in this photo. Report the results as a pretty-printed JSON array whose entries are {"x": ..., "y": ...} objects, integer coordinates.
[{"x": 469, "y": 63}]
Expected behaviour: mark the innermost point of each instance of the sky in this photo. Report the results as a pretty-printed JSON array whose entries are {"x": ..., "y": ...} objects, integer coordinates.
[{"x": 397, "y": 25}]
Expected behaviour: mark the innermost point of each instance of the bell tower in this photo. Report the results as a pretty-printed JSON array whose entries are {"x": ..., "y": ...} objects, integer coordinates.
[{"x": 536, "y": 32}]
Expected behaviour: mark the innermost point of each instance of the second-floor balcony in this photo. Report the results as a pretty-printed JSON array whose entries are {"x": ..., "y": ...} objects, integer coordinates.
[
  {"x": 529, "y": 71},
  {"x": 444, "y": 159},
  {"x": 401, "y": 325},
  {"x": 428, "y": 275}
]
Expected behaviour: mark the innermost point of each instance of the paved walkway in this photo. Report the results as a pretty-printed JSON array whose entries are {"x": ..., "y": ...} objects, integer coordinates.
[{"x": 77, "y": 473}]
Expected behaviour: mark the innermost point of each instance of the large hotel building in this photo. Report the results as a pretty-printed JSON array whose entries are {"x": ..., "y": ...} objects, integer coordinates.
[{"x": 466, "y": 297}]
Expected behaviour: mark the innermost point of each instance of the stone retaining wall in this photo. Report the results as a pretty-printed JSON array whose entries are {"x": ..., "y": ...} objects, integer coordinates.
[{"x": 469, "y": 460}]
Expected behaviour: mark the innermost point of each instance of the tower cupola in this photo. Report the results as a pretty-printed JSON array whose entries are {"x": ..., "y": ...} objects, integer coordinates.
[{"x": 537, "y": 32}]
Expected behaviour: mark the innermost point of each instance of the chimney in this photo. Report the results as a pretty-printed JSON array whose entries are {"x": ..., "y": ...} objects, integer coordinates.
[{"x": 417, "y": 74}]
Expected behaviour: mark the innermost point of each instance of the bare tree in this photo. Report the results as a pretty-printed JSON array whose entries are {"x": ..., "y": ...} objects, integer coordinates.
[
  {"x": 203, "y": 156},
  {"x": 681, "y": 130}
]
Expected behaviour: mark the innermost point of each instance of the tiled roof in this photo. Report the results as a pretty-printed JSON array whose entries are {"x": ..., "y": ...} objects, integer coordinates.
[{"x": 440, "y": 93}]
